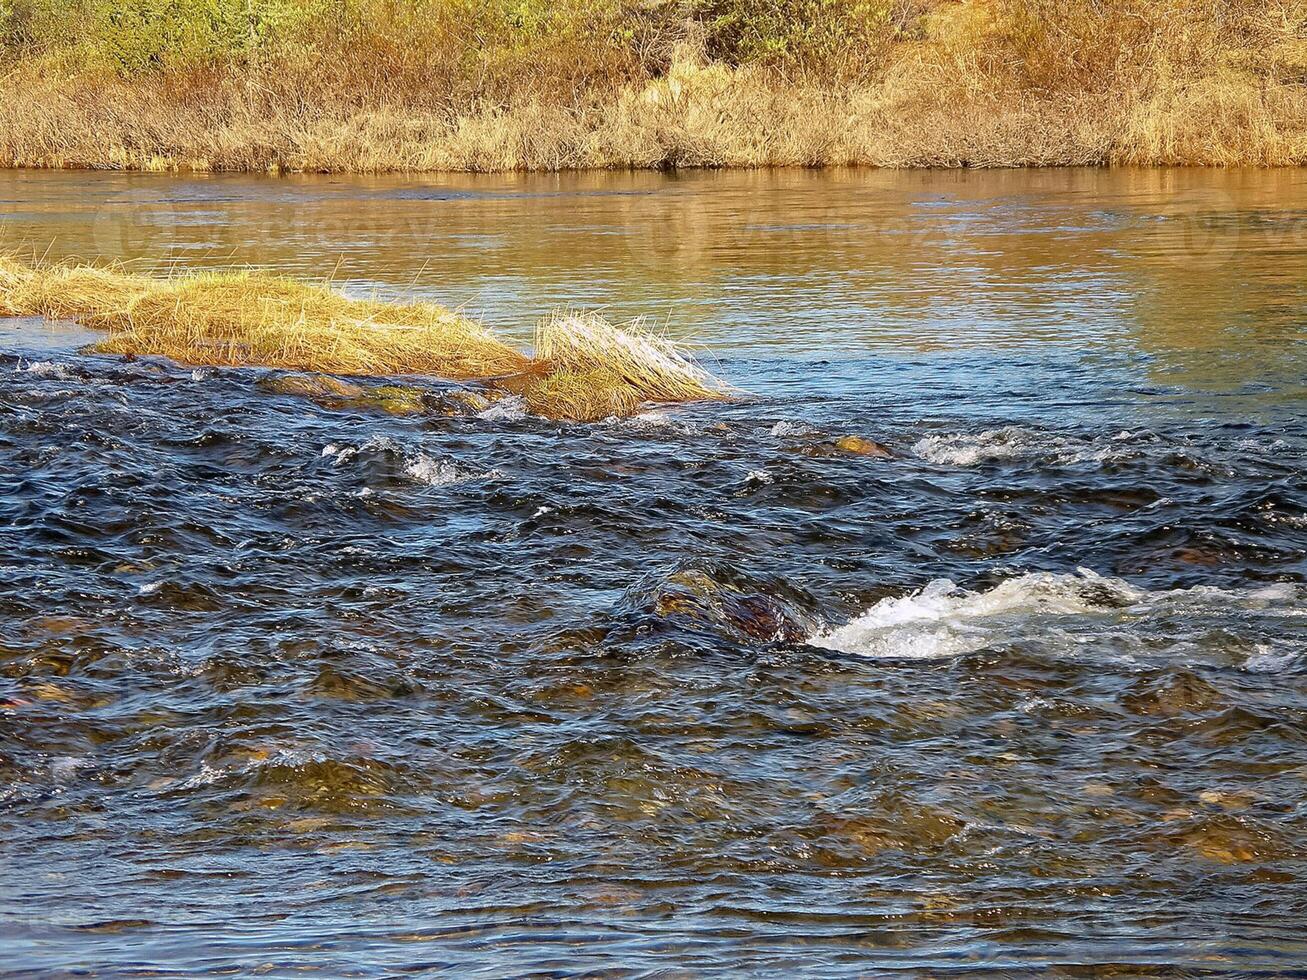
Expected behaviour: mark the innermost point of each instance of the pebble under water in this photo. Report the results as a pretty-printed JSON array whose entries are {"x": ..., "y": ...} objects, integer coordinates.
[{"x": 306, "y": 691}]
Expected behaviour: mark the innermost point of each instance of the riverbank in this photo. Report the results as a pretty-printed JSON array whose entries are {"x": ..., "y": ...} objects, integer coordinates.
[{"x": 937, "y": 84}]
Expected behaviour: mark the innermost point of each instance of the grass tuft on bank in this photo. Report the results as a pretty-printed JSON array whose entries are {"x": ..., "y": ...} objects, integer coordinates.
[
  {"x": 492, "y": 85},
  {"x": 583, "y": 369}
]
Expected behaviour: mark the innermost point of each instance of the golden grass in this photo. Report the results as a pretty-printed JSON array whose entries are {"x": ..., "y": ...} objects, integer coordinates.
[
  {"x": 961, "y": 83},
  {"x": 586, "y": 368},
  {"x": 597, "y": 369},
  {"x": 697, "y": 116},
  {"x": 230, "y": 318},
  {"x": 583, "y": 369}
]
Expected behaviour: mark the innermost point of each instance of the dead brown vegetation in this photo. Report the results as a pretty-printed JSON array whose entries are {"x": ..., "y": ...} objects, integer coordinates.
[
  {"x": 444, "y": 86},
  {"x": 584, "y": 368}
]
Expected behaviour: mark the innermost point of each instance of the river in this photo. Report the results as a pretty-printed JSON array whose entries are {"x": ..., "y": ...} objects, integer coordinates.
[{"x": 300, "y": 691}]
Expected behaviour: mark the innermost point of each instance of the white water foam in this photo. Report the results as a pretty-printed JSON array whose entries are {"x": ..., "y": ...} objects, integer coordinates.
[
  {"x": 49, "y": 369},
  {"x": 1064, "y": 613},
  {"x": 438, "y": 472},
  {"x": 416, "y": 466},
  {"x": 1014, "y": 442},
  {"x": 342, "y": 453},
  {"x": 339, "y": 454},
  {"x": 510, "y": 408},
  {"x": 652, "y": 422}
]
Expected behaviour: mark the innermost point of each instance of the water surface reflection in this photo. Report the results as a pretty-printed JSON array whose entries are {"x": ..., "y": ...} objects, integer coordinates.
[{"x": 293, "y": 690}]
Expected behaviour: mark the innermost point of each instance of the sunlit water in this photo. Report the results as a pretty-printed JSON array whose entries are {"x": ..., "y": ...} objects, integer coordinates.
[{"x": 302, "y": 691}]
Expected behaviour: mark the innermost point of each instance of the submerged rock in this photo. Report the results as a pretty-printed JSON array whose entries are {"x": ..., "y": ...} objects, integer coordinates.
[
  {"x": 1231, "y": 842},
  {"x": 394, "y": 399},
  {"x": 858, "y": 446},
  {"x": 1183, "y": 693},
  {"x": 1228, "y": 800},
  {"x": 310, "y": 386},
  {"x": 473, "y": 401},
  {"x": 333, "y": 393},
  {"x": 750, "y": 613},
  {"x": 465, "y": 401},
  {"x": 891, "y": 824},
  {"x": 846, "y": 445}
]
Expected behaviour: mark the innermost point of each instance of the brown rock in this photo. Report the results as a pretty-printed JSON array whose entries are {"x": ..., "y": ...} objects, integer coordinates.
[
  {"x": 465, "y": 401},
  {"x": 333, "y": 393},
  {"x": 1239, "y": 800},
  {"x": 756, "y": 615},
  {"x": 311, "y": 386},
  {"x": 468, "y": 401},
  {"x": 49, "y": 692},
  {"x": 1226, "y": 839},
  {"x": 858, "y": 446},
  {"x": 392, "y": 399}
]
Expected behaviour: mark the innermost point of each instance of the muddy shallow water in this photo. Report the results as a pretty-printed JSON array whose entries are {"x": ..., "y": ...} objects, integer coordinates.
[{"x": 695, "y": 693}]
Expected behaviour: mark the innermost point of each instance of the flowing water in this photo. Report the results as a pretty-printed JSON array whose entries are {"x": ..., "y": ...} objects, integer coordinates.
[{"x": 699, "y": 693}]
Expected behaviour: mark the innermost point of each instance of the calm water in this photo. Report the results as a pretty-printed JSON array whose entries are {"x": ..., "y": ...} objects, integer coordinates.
[{"x": 695, "y": 694}]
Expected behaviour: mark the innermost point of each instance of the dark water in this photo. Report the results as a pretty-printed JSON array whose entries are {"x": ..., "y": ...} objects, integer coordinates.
[{"x": 306, "y": 692}]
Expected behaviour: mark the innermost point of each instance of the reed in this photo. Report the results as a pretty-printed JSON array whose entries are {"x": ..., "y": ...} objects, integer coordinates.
[{"x": 584, "y": 368}]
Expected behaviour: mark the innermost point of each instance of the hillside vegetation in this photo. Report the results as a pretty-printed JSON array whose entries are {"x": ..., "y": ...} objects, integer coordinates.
[{"x": 377, "y": 85}]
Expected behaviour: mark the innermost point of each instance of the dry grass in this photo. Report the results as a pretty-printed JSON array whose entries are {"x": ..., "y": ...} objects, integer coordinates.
[
  {"x": 584, "y": 368},
  {"x": 230, "y": 318},
  {"x": 596, "y": 370},
  {"x": 951, "y": 83}
]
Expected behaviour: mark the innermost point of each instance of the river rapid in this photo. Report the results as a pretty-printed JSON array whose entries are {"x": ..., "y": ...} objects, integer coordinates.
[{"x": 699, "y": 692}]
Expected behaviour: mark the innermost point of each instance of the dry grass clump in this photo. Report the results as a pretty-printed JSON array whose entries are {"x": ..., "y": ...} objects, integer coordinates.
[
  {"x": 584, "y": 368},
  {"x": 233, "y": 318},
  {"x": 65, "y": 292},
  {"x": 246, "y": 318},
  {"x": 597, "y": 369}
]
